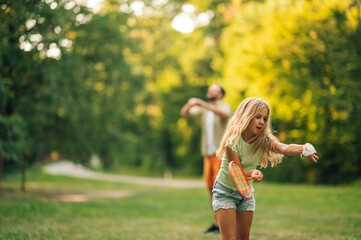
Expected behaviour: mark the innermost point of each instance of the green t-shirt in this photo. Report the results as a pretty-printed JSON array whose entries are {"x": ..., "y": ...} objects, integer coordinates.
[{"x": 248, "y": 162}]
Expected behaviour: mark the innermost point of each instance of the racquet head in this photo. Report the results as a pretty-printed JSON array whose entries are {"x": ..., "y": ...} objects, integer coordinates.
[{"x": 240, "y": 180}]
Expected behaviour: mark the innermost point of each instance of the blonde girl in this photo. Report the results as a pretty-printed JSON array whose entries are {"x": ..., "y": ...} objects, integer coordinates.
[{"x": 248, "y": 140}]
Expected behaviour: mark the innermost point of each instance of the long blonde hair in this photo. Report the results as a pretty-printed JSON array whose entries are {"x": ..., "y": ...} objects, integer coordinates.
[{"x": 238, "y": 123}]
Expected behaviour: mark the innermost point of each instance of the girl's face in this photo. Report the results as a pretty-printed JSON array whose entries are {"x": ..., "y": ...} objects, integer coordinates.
[{"x": 257, "y": 124}]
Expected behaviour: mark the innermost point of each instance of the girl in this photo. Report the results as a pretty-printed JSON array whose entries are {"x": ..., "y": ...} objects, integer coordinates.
[{"x": 248, "y": 140}]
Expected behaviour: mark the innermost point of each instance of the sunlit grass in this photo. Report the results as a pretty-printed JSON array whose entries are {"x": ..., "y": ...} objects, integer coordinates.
[
  {"x": 153, "y": 213},
  {"x": 308, "y": 212}
]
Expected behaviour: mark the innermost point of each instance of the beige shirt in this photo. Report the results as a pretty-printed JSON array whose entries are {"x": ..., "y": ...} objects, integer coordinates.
[{"x": 219, "y": 123}]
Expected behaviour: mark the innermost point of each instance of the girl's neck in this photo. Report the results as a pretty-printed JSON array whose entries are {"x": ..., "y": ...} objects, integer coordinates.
[{"x": 248, "y": 138}]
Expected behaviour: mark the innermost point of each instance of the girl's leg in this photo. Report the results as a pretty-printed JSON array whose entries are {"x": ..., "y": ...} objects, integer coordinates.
[
  {"x": 214, "y": 216},
  {"x": 227, "y": 223},
  {"x": 244, "y": 222}
]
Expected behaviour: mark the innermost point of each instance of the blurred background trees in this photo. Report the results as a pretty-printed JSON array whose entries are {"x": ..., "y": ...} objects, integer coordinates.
[{"x": 110, "y": 80}]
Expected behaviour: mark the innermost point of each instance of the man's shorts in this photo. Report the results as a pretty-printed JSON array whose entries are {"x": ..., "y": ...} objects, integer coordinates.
[
  {"x": 211, "y": 166},
  {"x": 225, "y": 198}
]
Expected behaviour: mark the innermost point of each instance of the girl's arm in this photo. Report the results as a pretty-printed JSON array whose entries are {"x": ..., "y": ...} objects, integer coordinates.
[
  {"x": 255, "y": 174},
  {"x": 232, "y": 156},
  {"x": 292, "y": 149}
]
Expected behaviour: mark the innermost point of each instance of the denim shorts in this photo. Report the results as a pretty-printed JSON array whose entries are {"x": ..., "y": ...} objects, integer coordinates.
[{"x": 225, "y": 198}]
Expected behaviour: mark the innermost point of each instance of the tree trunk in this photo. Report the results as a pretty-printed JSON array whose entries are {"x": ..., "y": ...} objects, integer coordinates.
[
  {"x": 1, "y": 175},
  {"x": 167, "y": 147},
  {"x": 23, "y": 169}
]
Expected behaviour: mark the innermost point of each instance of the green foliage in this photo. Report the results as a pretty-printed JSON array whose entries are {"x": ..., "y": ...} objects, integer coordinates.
[
  {"x": 304, "y": 60},
  {"x": 66, "y": 81},
  {"x": 13, "y": 134}
]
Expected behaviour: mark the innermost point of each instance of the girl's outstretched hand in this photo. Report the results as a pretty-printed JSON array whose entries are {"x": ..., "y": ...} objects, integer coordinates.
[
  {"x": 309, "y": 151},
  {"x": 313, "y": 157},
  {"x": 256, "y": 175}
]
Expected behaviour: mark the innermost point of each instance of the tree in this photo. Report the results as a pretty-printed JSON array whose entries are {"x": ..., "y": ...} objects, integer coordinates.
[
  {"x": 302, "y": 58},
  {"x": 63, "y": 87}
]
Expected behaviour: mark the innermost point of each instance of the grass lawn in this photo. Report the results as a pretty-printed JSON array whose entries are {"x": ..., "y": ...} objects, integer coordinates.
[{"x": 57, "y": 207}]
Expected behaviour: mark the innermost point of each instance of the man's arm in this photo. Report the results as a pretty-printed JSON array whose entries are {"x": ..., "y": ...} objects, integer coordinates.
[
  {"x": 214, "y": 109},
  {"x": 185, "y": 109},
  {"x": 209, "y": 106}
]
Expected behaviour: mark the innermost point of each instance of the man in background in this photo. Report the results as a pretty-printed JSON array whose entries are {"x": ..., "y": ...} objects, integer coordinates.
[{"x": 214, "y": 114}]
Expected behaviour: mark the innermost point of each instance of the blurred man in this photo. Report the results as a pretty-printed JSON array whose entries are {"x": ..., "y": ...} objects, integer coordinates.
[{"x": 214, "y": 114}]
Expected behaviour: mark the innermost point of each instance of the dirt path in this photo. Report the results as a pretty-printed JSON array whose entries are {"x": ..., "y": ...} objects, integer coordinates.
[{"x": 67, "y": 168}]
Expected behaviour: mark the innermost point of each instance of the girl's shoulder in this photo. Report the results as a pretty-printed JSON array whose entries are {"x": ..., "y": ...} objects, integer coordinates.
[{"x": 239, "y": 146}]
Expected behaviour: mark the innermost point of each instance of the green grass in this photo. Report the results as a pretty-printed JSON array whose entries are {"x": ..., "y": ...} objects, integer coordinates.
[{"x": 134, "y": 212}]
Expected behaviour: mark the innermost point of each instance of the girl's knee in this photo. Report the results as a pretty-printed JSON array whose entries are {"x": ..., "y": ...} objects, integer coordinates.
[{"x": 228, "y": 237}]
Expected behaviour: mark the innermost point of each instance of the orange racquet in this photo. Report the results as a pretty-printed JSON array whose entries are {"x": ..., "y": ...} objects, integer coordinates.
[{"x": 240, "y": 180}]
